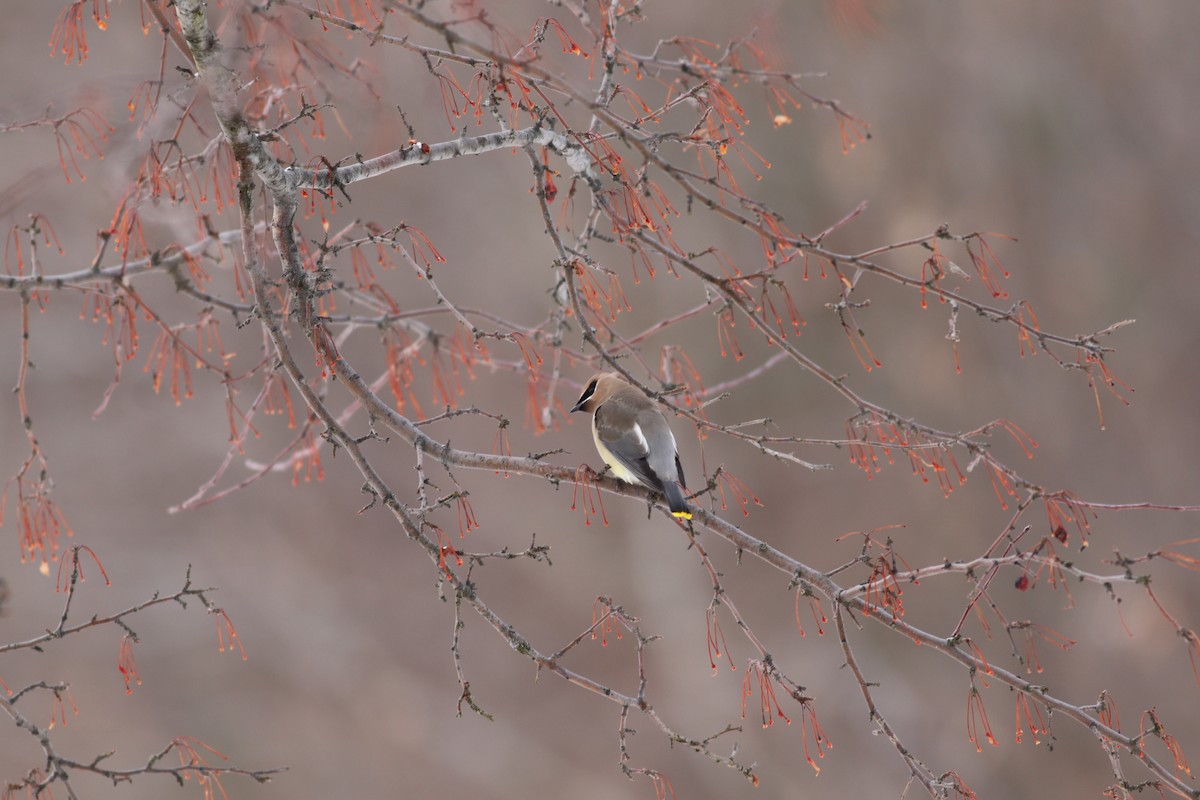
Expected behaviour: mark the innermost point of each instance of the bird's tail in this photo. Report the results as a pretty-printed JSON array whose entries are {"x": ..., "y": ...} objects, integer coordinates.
[{"x": 678, "y": 505}]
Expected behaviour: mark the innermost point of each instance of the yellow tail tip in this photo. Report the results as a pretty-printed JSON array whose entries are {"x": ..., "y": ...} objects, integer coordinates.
[{"x": 682, "y": 514}]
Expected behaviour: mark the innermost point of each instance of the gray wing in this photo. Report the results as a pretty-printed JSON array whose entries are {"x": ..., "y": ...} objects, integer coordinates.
[
  {"x": 664, "y": 461},
  {"x": 629, "y": 448}
]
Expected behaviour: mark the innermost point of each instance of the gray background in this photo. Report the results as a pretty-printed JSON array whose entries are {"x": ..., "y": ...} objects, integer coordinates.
[{"x": 1070, "y": 125}]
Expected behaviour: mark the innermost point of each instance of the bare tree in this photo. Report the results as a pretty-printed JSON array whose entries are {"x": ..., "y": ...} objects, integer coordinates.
[{"x": 306, "y": 295}]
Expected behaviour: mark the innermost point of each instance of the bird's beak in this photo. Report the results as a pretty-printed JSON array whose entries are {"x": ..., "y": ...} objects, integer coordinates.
[{"x": 577, "y": 407}]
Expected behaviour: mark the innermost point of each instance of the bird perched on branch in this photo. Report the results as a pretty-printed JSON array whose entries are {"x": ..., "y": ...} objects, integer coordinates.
[{"x": 633, "y": 438}]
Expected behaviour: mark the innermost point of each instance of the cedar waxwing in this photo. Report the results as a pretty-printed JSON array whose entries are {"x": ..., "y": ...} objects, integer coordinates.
[{"x": 633, "y": 437}]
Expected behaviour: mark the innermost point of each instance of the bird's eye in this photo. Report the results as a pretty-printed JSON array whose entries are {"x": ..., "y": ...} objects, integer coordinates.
[{"x": 589, "y": 391}]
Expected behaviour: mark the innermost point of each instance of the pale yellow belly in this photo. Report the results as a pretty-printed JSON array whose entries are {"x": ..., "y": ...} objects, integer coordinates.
[{"x": 617, "y": 468}]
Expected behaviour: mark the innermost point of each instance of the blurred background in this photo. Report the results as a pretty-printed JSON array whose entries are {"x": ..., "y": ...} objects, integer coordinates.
[{"x": 1070, "y": 126}]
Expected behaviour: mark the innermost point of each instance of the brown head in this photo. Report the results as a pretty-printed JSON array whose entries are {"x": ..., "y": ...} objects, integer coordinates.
[{"x": 602, "y": 386}]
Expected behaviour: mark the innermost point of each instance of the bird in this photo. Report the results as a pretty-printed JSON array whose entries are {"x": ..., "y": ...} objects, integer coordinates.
[{"x": 634, "y": 439}]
